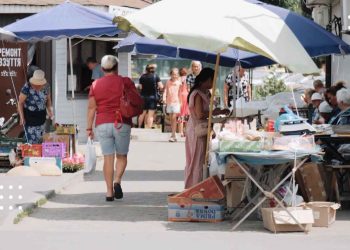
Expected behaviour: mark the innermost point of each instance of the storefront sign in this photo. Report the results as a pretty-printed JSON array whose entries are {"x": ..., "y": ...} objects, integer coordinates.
[
  {"x": 120, "y": 11},
  {"x": 13, "y": 72}
]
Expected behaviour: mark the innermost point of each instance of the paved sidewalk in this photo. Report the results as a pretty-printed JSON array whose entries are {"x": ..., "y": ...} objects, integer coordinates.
[
  {"x": 79, "y": 217},
  {"x": 19, "y": 194}
]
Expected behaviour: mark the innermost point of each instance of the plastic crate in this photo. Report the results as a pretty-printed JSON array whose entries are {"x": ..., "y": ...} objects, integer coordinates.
[
  {"x": 54, "y": 149},
  {"x": 34, "y": 150}
]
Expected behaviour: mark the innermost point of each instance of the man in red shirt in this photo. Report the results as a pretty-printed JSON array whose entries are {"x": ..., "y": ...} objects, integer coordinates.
[{"x": 113, "y": 133}]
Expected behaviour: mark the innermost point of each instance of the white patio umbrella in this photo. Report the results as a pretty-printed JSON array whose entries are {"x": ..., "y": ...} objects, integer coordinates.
[{"x": 215, "y": 26}]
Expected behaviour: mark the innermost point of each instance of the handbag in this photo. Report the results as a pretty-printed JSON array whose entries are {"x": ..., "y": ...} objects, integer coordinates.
[
  {"x": 131, "y": 102},
  {"x": 201, "y": 129}
]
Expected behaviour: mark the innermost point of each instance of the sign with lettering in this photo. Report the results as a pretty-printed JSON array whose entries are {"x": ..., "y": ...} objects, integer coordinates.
[
  {"x": 13, "y": 73},
  {"x": 120, "y": 11}
]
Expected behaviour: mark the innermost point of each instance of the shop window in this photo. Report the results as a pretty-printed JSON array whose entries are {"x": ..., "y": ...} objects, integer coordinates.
[{"x": 82, "y": 50}]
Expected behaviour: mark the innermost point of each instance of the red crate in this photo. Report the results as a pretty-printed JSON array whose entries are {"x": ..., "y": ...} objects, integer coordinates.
[
  {"x": 34, "y": 150},
  {"x": 54, "y": 149}
]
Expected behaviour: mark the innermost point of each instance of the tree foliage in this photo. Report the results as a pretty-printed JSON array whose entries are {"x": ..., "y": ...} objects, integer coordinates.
[
  {"x": 271, "y": 86},
  {"x": 293, "y": 5}
]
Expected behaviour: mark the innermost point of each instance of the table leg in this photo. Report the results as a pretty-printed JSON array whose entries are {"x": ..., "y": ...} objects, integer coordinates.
[
  {"x": 266, "y": 194},
  {"x": 246, "y": 206}
]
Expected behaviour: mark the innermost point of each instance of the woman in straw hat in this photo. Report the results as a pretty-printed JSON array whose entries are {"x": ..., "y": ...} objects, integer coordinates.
[{"x": 34, "y": 105}]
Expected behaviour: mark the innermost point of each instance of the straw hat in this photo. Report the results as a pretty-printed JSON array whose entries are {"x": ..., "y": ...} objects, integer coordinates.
[{"x": 38, "y": 78}]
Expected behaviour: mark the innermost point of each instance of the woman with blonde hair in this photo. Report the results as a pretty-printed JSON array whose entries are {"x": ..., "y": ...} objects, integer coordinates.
[{"x": 172, "y": 99}]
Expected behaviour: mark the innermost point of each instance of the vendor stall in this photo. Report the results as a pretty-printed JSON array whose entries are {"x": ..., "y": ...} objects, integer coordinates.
[{"x": 251, "y": 26}]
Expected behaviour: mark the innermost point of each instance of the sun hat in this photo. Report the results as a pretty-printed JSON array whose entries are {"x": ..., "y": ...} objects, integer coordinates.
[
  {"x": 325, "y": 107},
  {"x": 316, "y": 96},
  {"x": 38, "y": 78},
  {"x": 108, "y": 62}
]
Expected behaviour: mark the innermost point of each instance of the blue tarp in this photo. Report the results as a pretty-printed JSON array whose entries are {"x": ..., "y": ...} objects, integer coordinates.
[
  {"x": 316, "y": 40},
  {"x": 143, "y": 45},
  {"x": 64, "y": 20}
]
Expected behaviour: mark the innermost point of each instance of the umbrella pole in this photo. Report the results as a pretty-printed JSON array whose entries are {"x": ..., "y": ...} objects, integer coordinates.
[
  {"x": 73, "y": 91},
  {"x": 205, "y": 167}
]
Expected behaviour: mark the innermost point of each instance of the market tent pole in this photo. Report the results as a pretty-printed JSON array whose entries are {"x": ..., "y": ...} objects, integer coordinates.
[
  {"x": 73, "y": 87},
  {"x": 205, "y": 167}
]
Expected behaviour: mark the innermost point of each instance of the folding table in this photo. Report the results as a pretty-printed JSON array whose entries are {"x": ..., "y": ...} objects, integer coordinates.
[{"x": 248, "y": 160}]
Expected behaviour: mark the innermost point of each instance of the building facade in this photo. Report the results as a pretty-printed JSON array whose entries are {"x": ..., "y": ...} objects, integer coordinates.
[{"x": 53, "y": 57}]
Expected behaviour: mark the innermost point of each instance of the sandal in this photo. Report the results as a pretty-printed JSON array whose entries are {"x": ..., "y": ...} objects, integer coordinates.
[
  {"x": 109, "y": 198},
  {"x": 118, "y": 192},
  {"x": 172, "y": 139}
]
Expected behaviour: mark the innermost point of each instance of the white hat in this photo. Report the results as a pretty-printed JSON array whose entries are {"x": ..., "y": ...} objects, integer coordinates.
[
  {"x": 38, "y": 78},
  {"x": 325, "y": 107},
  {"x": 108, "y": 62},
  {"x": 316, "y": 96}
]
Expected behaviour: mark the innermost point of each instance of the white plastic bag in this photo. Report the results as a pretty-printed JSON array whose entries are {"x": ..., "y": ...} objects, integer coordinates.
[{"x": 90, "y": 157}]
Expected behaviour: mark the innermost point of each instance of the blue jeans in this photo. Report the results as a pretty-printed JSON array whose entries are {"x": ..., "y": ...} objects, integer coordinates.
[{"x": 113, "y": 140}]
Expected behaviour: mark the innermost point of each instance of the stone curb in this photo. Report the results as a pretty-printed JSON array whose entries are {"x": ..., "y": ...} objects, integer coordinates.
[{"x": 16, "y": 216}]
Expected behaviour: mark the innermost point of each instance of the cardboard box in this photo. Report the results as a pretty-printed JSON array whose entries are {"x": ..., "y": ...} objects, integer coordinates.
[
  {"x": 53, "y": 137},
  {"x": 182, "y": 209},
  {"x": 233, "y": 171},
  {"x": 278, "y": 220},
  {"x": 324, "y": 213},
  {"x": 311, "y": 183},
  {"x": 234, "y": 193},
  {"x": 210, "y": 188}
]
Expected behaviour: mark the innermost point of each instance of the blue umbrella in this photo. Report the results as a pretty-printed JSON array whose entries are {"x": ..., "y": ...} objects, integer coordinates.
[
  {"x": 307, "y": 30},
  {"x": 144, "y": 45},
  {"x": 62, "y": 21}
]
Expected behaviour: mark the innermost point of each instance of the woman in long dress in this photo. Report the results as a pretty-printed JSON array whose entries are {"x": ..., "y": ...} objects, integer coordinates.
[{"x": 199, "y": 102}]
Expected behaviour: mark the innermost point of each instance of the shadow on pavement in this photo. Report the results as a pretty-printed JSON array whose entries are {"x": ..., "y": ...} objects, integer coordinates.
[
  {"x": 225, "y": 226},
  {"x": 142, "y": 175},
  {"x": 151, "y": 199},
  {"x": 93, "y": 207}
]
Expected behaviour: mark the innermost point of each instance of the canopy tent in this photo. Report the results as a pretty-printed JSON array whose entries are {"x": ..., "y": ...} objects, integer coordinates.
[
  {"x": 7, "y": 35},
  {"x": 144, "y": 45},
  {"x": 67, "y": 20}
]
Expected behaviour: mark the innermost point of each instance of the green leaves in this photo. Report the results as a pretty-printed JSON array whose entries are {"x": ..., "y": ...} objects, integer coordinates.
[{"x": 272, "y": 85}]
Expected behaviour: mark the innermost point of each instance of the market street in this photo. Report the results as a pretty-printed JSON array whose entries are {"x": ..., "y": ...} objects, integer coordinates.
[{"x": 79, "y": 217}]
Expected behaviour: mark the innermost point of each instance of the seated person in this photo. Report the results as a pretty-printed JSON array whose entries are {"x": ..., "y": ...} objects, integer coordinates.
[
  {"x": 343, "y": 98},
  {"x": 325, "y": 111},
  {"x": 316, "y": 100},
  {"x": 331, "y": 98}
]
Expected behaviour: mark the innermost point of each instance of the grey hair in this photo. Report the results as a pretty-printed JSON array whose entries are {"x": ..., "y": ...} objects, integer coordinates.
[
  {"x": 198, "y": 62},
  {"x": 343, "y": 96},
  {"x": 109, "y": 62}
]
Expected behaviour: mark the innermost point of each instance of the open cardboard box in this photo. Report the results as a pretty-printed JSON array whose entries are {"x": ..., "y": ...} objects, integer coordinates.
[
  {"x": 324, "y": 212},
  {"x": 278, "y": 220}
]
